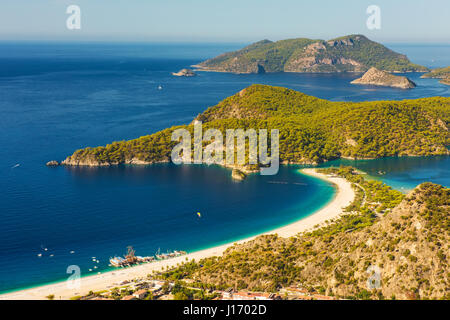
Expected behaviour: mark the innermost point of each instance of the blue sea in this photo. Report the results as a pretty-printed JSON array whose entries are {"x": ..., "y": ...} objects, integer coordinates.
[{"x": 59, "y": 97}]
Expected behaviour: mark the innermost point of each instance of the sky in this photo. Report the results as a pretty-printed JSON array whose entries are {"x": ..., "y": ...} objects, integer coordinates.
[{"x": 402, "y": 21}]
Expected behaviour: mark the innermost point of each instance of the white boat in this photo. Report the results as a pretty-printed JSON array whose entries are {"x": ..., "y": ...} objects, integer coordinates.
[{"x": 118, "y": 262}]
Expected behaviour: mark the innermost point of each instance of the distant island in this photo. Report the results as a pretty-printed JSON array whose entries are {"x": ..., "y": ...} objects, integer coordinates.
[
  {"x": 312, "y": 130},
  {"x": 184, "y": 73},
  {"x": 440, "y": 73},
  {"x": 382, "y": 78},
  {"x": 238, "y": 175},
  {"x": 352, "y": 53}
]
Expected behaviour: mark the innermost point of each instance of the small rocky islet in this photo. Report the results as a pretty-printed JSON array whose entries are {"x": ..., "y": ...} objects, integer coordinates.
[{"x": 377, "y": 77}]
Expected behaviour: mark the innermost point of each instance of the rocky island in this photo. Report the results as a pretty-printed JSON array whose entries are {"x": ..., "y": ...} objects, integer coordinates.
[
  {"x": 238, "y": 175},
  {"x": 377, "y": 77},
  {"x": 184, "y": 73},
  {"x": 352, "y": 53},
  {"x": 399, "y": 236},
  {"x": 439, "y": 73}
]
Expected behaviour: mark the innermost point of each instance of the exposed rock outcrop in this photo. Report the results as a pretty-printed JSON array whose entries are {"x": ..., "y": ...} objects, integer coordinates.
[
  {"x": 403, "y": 248},
  {"x": 382, "y": 78},
  {"x": 52, "y": 163},
  {"x": 439, "y": 73},
  {"x": 311, "y": 130},
  {"x": 92, "y": 162},
  {"x": 352, "y": 53}
]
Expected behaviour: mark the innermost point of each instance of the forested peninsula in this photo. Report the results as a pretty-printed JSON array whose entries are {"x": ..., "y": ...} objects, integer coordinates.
[{"x": 312, "y": 130}]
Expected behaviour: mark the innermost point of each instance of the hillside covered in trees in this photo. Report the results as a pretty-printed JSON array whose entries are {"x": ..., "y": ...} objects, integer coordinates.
[
  {"x": 405, "y": 239},
  {"x": 352, "y": 53},
  {"x": 439, "y": 73},
  {"x": 312, "y": 130}
]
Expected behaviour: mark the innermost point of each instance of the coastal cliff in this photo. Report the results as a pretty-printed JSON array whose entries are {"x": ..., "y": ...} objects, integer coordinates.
[
  {"x": 353, "y": 53},
  {"x": 312, "y": 130},
  {"x": 382, "y": 78}
]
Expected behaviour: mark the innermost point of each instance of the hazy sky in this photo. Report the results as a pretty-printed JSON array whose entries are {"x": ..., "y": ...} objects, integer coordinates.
[{"x": 224, "y": 21}]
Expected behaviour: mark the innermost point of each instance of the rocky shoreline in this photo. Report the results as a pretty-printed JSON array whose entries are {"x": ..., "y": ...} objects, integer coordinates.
[
  {"x": 344, "y": 196},
  {"x": 238, "y": 175},
  {"x": 238, "y": 172}
]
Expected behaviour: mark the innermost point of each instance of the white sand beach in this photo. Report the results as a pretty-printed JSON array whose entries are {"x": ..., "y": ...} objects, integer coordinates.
[{"x": 344, "y": 196}]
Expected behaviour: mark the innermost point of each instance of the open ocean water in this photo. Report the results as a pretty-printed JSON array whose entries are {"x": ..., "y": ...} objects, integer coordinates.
[{"x": 59, "y": 97}]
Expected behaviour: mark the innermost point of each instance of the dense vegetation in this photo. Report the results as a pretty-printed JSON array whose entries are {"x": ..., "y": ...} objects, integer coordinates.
[
  {"x": 407, "y": 238},
  {"x": 272, "y": 56},
  {"x": 308, "y": 55},
  {"x": 311, "y": 129}
]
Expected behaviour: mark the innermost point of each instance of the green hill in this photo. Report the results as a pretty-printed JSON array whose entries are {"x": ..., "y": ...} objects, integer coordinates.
[
  {"x": 405, "y": 238},
  {"x": 311, "y": 129},
  {"x": 439, "y": 73},
  {"x": 353, "y": 53}
]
